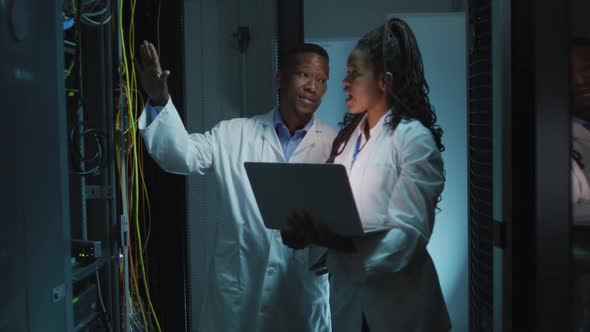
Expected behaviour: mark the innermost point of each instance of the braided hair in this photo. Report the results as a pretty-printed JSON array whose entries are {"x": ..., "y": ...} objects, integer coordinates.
[{"x": 392, "y": 48}]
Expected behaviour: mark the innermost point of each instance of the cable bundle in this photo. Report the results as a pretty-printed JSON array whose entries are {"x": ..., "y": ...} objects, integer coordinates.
[
  {"x": 80, "y": 130},
  {"x": 92, "y": 12},
  {"x": 133, "y": 188},
  {"x": 138, "y": 313}
]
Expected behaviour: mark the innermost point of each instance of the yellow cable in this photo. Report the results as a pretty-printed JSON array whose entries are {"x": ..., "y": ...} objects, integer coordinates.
[
  {"x": 132, "y": 105},
  {"x": 131, "y": 307},
  {"x": 136, "y": 288},
  {"x": 70, "y": 68},
  {"x": 125, "y": 73},
  {"x": 140, "y": 104},
  {"x": 136, "y": 205},
  {"x": 137, "y": 182},
  {"x": 142, "y": 178},
  {"x": 124, "y": 51},
  {"x": 147, "y": 205},
  {"x": 135, "y": 172},
  {"x": 133, "y": 86},
  {"x": 137, "y": 243}
]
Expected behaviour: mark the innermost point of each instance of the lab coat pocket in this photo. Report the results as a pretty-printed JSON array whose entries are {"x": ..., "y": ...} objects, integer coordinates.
[
  {"x": 380, "y": 177},
  {"x": 227, "y": 266}
]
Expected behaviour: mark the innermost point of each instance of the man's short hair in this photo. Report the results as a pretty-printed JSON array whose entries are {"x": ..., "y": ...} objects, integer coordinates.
[{"x": 287, "y": 60}]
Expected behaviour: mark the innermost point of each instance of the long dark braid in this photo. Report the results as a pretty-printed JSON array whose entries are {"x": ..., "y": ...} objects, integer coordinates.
[
  {"x": 393, "y": 48},
  {"x": 347, "y": 127}
]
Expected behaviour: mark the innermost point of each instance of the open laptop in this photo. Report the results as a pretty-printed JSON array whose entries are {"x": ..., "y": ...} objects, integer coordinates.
[{"x": 323, "y": 190}]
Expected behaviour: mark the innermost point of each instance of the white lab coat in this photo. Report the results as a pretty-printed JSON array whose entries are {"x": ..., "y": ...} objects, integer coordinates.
[
  {"x": 255, "y": 283},
  {"x": 581, "y": 143},
  {"x": 580, "y": 186},
  {"x": 579, "y": 177},
  {"x": 395, "y": 180}
]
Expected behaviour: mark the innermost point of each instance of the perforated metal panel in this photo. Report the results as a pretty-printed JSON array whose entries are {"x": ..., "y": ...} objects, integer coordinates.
[
  {"x": 480, "y": 167},
  {"x": 212, "y": 82},
  {"x": 221, "y": 83}
]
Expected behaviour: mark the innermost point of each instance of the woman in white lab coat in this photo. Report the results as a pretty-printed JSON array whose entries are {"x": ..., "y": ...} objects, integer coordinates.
[{"x": 391, "y": 147}]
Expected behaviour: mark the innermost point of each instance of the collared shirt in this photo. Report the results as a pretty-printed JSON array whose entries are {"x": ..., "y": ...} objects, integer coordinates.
[
  {"x": 289, "y": 143},
  {"x": 152, "y": 112}
]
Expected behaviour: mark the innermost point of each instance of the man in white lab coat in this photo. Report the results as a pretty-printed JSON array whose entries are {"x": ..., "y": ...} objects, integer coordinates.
[
  {"x": 580, "y": 176},
  {"x": 580, "y": 88},
  {"x": 255, "y": 283}
]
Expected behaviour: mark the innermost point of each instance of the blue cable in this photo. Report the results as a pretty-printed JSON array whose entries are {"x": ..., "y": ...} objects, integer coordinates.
[{"x": 68, "y": 23}]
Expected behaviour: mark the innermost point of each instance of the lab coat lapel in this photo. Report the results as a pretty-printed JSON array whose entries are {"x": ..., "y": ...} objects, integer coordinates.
[
  {"x": 364, "y": 158},
  {"x": 269, "y": 134},
  {"x": 309, "y": 141},
  {"x": 372, "y": 148}
]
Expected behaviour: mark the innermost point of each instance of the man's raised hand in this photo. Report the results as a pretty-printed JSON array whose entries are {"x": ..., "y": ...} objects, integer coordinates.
[{"x": 153, "y": 79}]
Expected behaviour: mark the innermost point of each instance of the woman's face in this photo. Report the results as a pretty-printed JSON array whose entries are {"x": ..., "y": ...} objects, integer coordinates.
[{"x": 366, "y": 91}]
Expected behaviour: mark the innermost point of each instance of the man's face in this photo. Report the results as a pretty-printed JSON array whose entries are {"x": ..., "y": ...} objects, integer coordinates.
[
  {"x": 303, "y": 84},
  {"x": 581, "y": 79}
]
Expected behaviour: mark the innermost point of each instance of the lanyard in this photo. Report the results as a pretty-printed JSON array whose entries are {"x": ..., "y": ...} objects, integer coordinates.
[{"x": 357, "y": 149}]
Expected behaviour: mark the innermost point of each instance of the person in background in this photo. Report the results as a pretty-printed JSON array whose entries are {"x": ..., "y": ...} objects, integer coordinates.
[
  {"x": 391, "y": 148},
  {"x": 580, "y": 172},
  {"x": 580, "y": 84},
  {"x": 255, "y": 283}
]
